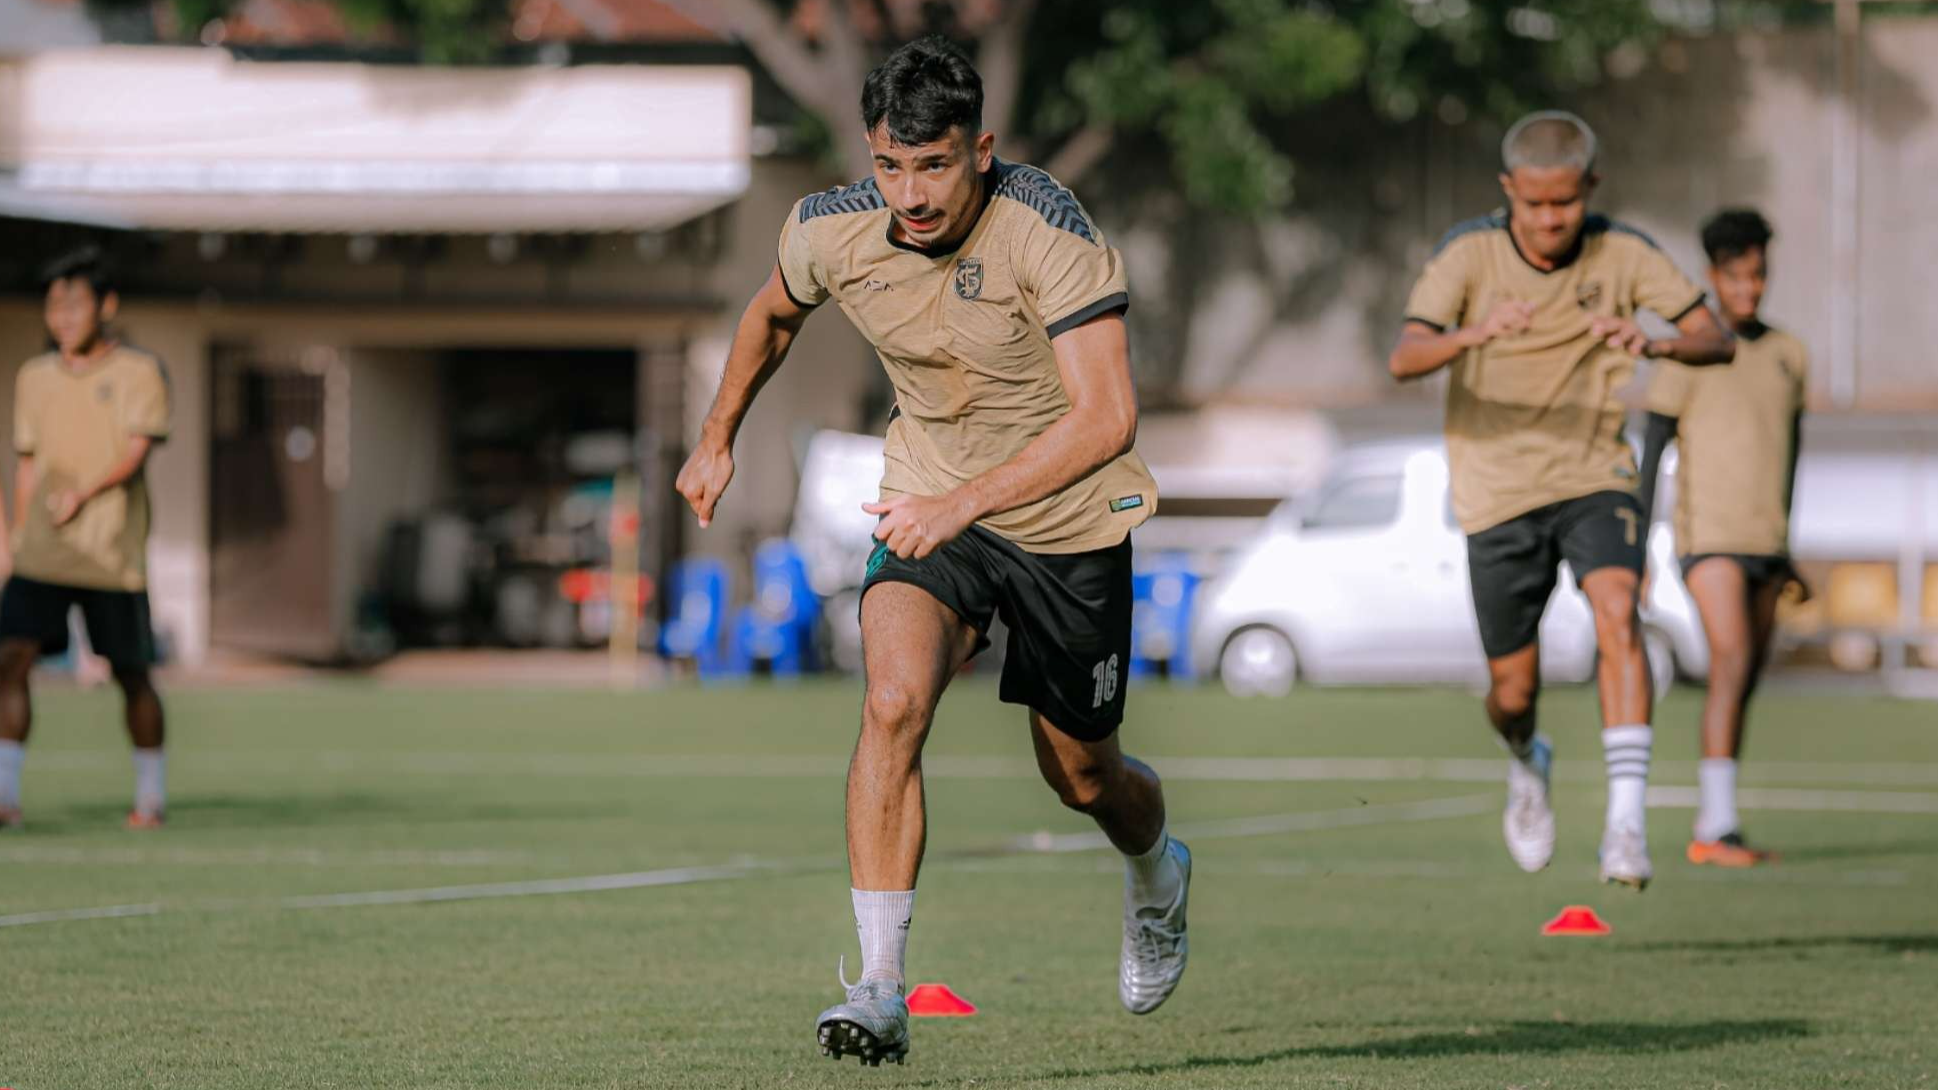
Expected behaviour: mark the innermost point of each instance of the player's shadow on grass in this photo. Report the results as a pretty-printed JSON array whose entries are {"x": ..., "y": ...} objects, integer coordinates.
[
  {"x": 303, "y": 811},
  {"x": 1884, "y": 944},
  {"x": 1513, "y": 1039}
]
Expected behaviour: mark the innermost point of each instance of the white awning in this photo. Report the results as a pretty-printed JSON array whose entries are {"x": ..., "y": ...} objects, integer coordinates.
[{"x": 192, "y": 139}]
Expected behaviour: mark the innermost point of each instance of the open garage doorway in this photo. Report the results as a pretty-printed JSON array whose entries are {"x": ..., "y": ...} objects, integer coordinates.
[{"x": 372, "y": 500}]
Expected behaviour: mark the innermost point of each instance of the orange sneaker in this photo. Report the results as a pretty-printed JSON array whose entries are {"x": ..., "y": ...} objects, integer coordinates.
[
  {"x": 10, "y": 817},
  {"x": 1729, "y": 851},
  {"x": 142, "y": 820}
]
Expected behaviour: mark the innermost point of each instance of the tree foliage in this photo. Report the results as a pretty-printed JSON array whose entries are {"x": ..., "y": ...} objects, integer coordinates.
[{"x": 1220, "y": 83}]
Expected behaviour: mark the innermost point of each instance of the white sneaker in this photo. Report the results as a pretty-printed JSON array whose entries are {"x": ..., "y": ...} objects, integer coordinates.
[
  {"x": 1625, "y": 858},
  {"x": 872, "y": 1024},
  {"x": 1155, "y": 949},
  {"x": 1529, "y": 820}
]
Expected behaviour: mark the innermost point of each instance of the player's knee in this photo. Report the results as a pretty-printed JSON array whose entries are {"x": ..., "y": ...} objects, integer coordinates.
[
  {"x": 16, "y": 661},
  {"x": 893, "y": 708},
  {"x": 1615, "y": 618},
  {"x": 1514, "y": 697},
  {"x": 1729, "y": 667},
  {"x": 1081, "y": 788}
]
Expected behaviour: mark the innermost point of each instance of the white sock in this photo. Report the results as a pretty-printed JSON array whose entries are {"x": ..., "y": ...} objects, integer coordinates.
[
  {"x": 151, "y": 774},
  {"x": 882, "y": 919},
  {"x": 1716, "y": 810},
  {"x": 1153, "y": 877},
  {"x": 1626, "y": 750},
  {"x": 12, "y": 756}
]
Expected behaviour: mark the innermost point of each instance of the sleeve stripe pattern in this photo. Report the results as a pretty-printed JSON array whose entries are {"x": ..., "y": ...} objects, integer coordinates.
[
  {"x": 859, "y": 196},
  {"x": 1493, "y": 221},
  {"x": 1035, "y": 188}
]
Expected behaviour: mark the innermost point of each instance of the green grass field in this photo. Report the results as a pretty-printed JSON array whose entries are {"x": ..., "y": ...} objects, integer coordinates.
[{"x": 1347, "y": 937}]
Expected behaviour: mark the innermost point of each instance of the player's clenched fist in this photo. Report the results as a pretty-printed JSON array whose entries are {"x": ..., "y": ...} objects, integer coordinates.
[
  {"x": 704, "y": 477},
  {"x": 1622, "y": 334},
  {"x": 915, "y": 526}
]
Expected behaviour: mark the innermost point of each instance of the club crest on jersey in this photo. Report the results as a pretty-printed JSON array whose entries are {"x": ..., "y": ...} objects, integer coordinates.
[
  {"x": 1589, "y": 294},
  {"x": 104, "y": 393},
  {"x": 969, "y": 278}
]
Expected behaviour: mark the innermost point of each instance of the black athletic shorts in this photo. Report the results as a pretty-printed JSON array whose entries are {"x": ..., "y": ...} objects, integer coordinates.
[
  {"x": 1758, "y": 569},
  {"x": 1513, "y": 566},
  {"x": 1069, "y": 620},
  {"x": 117, "y": 620}
]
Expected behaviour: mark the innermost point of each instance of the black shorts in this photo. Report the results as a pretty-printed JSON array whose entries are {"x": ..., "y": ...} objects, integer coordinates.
[
  {"x": 1758, "y": 569},
  {"x": 1069, "y": 620},
  {"x": 117, "y": 620},
  {"x": 1513, "y": 566}
]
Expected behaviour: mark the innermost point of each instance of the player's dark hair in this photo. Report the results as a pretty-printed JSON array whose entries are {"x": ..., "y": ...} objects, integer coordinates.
[
  {"x": 82, "y": 263},
  {"x": 1734, "y": 232},
  {"x": 923, "y": 90}
]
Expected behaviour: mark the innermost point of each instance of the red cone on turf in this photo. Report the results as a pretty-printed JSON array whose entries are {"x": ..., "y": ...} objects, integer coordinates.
[
  {"x": 937, "y": 1001},
  {"x": 1576, "y": 920}
]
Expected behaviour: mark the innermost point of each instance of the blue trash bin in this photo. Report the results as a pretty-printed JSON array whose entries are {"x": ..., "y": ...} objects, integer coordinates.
[
  {"x": 698, "y": 597},
  {"x": 777, "y": 627}
]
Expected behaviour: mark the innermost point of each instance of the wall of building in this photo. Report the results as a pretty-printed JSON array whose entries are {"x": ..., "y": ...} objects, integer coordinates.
[{"x": 676, "y": 314}]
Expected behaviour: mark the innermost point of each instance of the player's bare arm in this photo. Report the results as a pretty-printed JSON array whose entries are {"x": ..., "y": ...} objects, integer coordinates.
[
  {"x": 1093, "y": 361},
  {"x": 66, "y": 503},
  {"x": 1423, "y": 349},
  {"x": 1703, "y": 340},
  {"x": 760, "y": 342},
  {"x": 25, "y": 480}
]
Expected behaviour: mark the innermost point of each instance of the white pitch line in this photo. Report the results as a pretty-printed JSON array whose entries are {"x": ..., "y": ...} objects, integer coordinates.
[
  {"x": 259, "y": 857},
  {"x": 1785, "y": 798},
  {"x": 1273, "y": 824},
  {"x": 962, "y": 767},
  {"x": 1409, "y": 869},
  {"x": 60, "y": 915},
  {"x": 1041, "y": 842},
  {"x": 674, "y": 876}
]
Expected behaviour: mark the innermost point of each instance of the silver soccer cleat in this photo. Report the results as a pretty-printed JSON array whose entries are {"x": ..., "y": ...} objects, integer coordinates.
[
  {"x": 1529, "y": 820},
  {"x": 872, "y": 1024},
  {"x": 1155, "y": 948},
  {"x": 1625, "y": 858}
]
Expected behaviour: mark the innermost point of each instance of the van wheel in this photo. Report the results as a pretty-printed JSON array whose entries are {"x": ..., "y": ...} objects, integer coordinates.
[{"x": 1258, "y": 661}]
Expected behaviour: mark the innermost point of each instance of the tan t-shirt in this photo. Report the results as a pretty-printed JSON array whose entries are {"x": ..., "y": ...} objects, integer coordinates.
[
  {"x": 1533, "y": 419},
  {"x": 965, "y": 336},
  {"x": 77, "y": 424},
  {"x": 1736, "y": 429}
]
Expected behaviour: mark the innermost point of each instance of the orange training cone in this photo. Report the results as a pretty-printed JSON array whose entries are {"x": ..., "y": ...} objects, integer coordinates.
[
  {"x": 1576, "y": 920},
  {"x": 937, "y": 1001}
]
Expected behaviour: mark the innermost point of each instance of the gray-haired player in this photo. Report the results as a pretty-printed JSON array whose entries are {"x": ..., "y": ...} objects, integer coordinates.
[{"x": 1533, "y": 309}]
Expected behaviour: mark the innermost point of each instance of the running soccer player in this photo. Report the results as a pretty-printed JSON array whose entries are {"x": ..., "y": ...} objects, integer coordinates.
[
  {"x": 1532, "y": 309},
  {"x": 86, "y": 415},
  {"x": 1011, "y": 489},
  {"x": 1737, "y": 428}
]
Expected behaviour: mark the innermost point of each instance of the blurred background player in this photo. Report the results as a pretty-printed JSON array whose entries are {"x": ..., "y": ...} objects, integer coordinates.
[
  {"x": 85, "y": 416},
  {"x": 1011, "y": 488},
  {"x": 1533, "y": 307},
  {"x": 1737, "y": 429}
]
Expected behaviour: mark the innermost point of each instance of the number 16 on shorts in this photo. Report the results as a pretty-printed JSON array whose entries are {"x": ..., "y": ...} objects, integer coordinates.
[{"x": 1105, "y": 675}]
